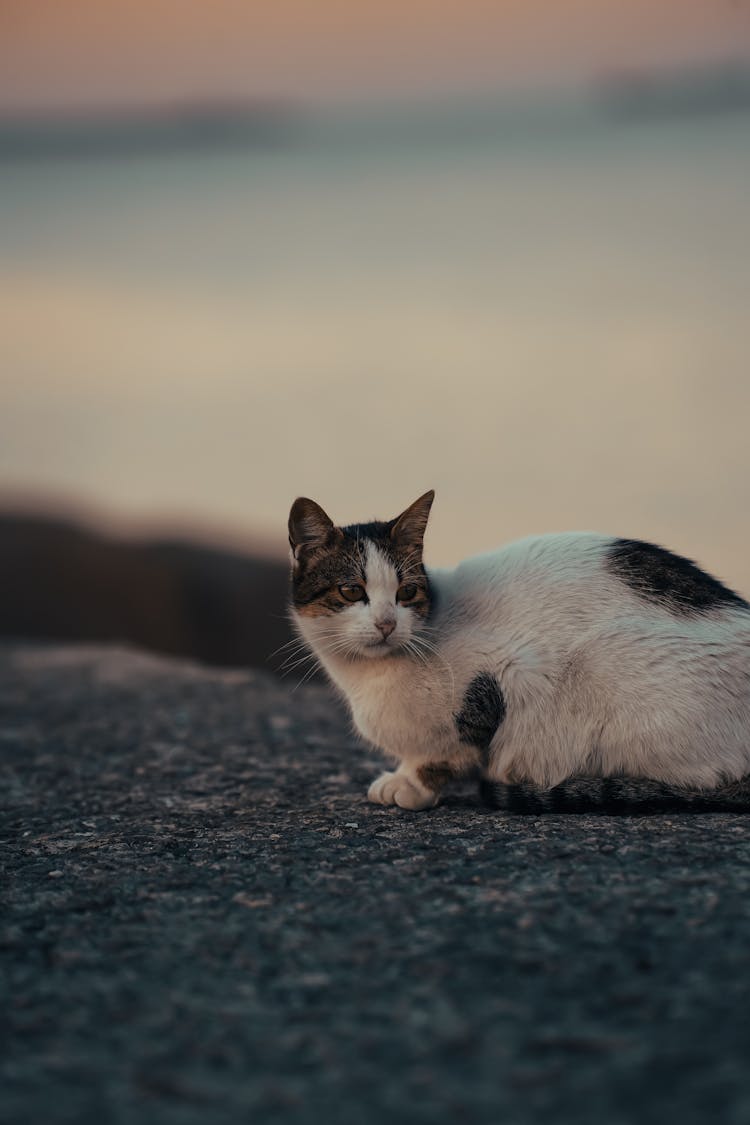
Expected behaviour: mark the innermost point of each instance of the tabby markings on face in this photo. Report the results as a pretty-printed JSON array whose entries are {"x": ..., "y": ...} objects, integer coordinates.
[{"x": 363, "y": 567}]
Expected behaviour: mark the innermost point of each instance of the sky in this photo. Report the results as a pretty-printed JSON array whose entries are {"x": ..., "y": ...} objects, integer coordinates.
[
  {"x": 173, "y": 327},
  {"x": 71, "y": 54}
]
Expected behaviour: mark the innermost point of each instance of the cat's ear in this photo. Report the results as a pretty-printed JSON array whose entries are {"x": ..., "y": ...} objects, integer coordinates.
[
  {"x": 410, "y": 526},
  {"x": 309, "y": 526}
]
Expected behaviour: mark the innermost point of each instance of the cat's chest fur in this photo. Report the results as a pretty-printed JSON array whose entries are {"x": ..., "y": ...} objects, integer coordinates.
[{"x": 405, "y": 708}]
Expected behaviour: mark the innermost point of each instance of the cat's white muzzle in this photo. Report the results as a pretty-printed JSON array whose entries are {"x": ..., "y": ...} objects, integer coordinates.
[{"x": 380, "y": 647}]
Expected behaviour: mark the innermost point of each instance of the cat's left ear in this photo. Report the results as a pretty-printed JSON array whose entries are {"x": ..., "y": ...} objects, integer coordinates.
[{"x": 410, "y": 526}]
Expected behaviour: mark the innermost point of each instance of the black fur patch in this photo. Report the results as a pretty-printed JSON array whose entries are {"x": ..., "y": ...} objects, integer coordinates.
[
  {"x": 669, "y": 580},
  {"x": 482, "y": 712}
]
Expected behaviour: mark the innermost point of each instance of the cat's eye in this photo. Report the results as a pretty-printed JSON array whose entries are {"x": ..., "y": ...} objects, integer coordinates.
[
  {"x": 353, "y": 593},
  {"x": 406, "y": 592}
]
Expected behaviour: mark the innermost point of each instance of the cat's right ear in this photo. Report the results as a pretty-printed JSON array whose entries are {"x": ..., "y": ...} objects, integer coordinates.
[
  {"x": 410, "y": 526},
  {"x": 309, "y": 527}
]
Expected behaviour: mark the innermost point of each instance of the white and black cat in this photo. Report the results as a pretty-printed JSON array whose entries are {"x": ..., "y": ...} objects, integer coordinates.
[{"x": 559, "y": 655}]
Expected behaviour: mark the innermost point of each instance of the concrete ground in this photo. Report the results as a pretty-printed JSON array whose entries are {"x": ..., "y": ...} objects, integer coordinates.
[{"x": 203, "y": 920}]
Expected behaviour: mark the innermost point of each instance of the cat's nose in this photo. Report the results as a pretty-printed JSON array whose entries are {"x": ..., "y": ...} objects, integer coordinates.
[{"x": 385, "y": 627}]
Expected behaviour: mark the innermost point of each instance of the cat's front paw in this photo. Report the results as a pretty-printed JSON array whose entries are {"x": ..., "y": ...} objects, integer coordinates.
[{"x": 397, "y": 789}]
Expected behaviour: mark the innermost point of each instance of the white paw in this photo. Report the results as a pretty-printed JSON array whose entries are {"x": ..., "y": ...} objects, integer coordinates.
[{"x": 396, "y": 789}]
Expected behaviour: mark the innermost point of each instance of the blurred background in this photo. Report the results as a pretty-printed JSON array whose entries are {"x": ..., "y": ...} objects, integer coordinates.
[{"x": 251, "y": 250}]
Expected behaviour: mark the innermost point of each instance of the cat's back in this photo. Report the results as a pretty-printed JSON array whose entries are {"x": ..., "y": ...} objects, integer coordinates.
[
  {"x": 567, "y": 582},
  {"x": 561, "y": 556},
  {"x": 529, "y": 576}
]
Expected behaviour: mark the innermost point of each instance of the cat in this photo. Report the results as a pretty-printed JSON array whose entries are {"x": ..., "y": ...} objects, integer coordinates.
[{"x": 560, "y": 655}]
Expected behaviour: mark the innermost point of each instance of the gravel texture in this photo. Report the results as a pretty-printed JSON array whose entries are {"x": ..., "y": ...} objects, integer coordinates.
[{"x": 203, "y": 920}]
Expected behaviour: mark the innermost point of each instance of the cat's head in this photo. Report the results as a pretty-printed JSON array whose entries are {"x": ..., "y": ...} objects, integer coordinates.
[{"x": 359, "y": 591}]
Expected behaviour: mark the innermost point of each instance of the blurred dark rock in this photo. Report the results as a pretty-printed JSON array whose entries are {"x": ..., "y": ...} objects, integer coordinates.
[
  {"x": 60, "y": 581},
  {"x": 686, "y": 92},
  {"x": 126, "y": 133}
]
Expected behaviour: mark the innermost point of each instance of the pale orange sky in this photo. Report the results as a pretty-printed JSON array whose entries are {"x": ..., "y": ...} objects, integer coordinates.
[{"x": 66, "y": 53}]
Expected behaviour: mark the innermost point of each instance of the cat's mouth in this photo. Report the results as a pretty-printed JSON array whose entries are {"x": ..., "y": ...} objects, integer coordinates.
[{"x": 381, "y": 646}]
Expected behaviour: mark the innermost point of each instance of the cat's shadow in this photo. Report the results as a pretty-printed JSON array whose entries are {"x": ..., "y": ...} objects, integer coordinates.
[{"x": 614, "y": 796}]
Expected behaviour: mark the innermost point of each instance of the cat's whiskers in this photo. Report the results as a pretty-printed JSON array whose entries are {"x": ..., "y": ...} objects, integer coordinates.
[
  {"x": 433, "y": 651},
  {"x": 410, "y": 557},
  {"x": 288, "y": 669},
  {"x": 296, "y": 644},
  {"x": 291, "y": 656},
  {"x": 412, "y": 649},
  {"x": 287, "y": 644},
  {"x": 433, "y": 682},
  {"x": 412, "y": 560},
  {"x": 317, "y": 666},
  {"x": 341, "y": 646},
  {"x": 295, "y": 660},
  {"x": 294, "y": 651}
]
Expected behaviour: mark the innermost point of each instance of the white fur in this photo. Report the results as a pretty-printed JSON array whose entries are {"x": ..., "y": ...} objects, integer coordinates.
[
  {"x": 401, "y": 788},
  {"x": 596, "y": 680}
]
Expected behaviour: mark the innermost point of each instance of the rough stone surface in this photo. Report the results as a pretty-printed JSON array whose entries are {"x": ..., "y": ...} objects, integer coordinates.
[{"x": 203, "y": 920}]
